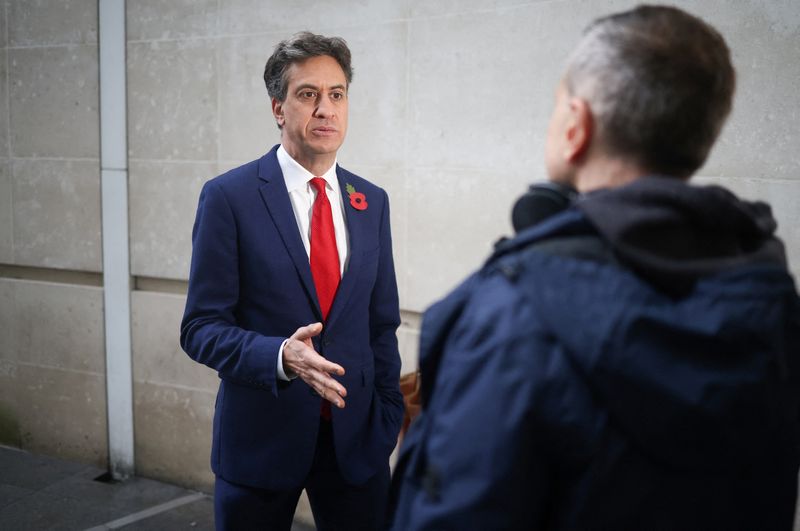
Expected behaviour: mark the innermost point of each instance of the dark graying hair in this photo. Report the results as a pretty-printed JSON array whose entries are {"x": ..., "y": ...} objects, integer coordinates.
[
  {"x": 660, "y": 85},
  {"x": 298, "y": 48}
]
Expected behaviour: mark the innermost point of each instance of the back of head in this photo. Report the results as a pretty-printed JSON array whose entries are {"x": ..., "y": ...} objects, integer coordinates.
[{"x": 660, "y": 85}]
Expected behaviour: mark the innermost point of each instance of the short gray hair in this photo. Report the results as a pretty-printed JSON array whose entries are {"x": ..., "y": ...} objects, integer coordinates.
[
  {"x": 660, "y": 85},
  {"x": 298, "y": 48}
]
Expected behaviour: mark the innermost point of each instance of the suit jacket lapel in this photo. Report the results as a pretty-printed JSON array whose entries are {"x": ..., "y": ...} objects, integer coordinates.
[
  {"x": 355, "y": 229},
  {"x": 276, "y": 197}
]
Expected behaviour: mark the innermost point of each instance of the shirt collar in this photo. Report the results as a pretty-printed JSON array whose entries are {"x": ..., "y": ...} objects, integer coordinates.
[{"x": 297, "y": 177}]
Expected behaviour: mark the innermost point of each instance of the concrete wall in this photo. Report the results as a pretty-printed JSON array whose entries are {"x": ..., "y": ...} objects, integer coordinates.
[
  {"x": 449, "y": 108},
  {"x": 52, "y": 382}
]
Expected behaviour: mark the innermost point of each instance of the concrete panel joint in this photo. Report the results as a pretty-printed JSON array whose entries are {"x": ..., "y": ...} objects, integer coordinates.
[{"x": 116, "y": 260}]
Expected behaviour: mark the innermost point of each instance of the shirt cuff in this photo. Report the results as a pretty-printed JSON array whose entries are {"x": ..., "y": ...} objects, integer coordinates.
[{"x": 281, "y": 373}]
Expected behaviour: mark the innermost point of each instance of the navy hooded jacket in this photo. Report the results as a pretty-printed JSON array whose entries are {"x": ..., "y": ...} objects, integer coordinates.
[{"x": 631, "y": 363}]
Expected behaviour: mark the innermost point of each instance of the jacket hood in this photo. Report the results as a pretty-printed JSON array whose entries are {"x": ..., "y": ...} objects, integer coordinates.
[
  {"x": 673, "y": 233},
  {"x": 695, "y": 379}
]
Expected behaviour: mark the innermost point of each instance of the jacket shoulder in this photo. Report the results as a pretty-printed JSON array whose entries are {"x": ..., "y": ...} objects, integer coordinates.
[
  {"x": 566, "y": 235},
  {"x": 236, "y": 177}
]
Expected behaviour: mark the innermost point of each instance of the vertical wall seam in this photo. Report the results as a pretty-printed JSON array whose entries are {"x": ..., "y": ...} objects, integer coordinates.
[
  {"x": 406, "y": 162},
  {"x": 9, "y": 168},
  {"x": 217, "y": 62},
  {"x": 115, "y": 236}
]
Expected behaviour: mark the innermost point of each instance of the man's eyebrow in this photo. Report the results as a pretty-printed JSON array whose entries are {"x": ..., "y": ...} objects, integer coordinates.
[{"x": 314, "y": 87}]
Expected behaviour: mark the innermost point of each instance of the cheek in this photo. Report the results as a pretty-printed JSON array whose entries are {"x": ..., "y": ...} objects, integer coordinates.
[
  {"x": 550, "y": 140},
  {"x": 551, "y": 149}
]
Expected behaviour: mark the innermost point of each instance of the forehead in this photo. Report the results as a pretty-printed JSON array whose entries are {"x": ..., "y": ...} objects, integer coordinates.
[{"x": 322, "y": 70}]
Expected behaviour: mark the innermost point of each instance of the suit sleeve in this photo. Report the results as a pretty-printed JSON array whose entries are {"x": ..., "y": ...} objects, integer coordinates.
[
  {"x": 209, "y": 331},
  {"x": 384, "y": 315},
  {"x": 481, "y": 461}
]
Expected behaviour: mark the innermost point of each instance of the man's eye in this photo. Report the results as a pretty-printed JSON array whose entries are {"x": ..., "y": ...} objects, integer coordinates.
[
  {"x": 337, "y": 96},
  {"x": 307, "y": 94}
]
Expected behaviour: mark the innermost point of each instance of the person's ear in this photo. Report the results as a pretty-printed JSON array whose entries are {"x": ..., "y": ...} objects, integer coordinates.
[
  {"x": 277, "y": 112},
  {"x": 578, "y": 133}
]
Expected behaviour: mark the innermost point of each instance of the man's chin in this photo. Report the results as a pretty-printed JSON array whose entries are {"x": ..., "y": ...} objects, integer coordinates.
[{"x": 327, "y": 147}]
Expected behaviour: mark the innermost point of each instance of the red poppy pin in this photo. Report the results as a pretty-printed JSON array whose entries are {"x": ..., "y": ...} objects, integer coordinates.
[{"x": 357, "y": 199}]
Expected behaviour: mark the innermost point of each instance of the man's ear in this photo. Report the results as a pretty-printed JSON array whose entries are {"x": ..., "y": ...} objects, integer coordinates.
[
  {"x": 277, "y": 111},
  {"x": 580, "y": 124}
]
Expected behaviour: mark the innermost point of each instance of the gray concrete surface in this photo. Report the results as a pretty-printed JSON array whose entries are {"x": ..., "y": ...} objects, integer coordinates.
[
  {"x": 38, "y": 492},
  {"x": 449, "y": 111}
]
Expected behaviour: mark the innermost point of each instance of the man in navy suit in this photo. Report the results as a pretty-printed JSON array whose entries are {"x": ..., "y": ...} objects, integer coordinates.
[{"x": 293, "y": 301}]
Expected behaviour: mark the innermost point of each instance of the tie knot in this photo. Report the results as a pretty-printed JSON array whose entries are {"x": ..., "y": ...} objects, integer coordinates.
[{"x": 319, "y": 184}]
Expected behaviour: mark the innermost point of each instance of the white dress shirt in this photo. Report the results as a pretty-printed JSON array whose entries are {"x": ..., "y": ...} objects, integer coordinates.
[{"x": 302, "y": 196}]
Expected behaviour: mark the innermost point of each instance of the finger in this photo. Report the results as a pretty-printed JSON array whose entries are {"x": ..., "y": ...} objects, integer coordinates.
[
  {"x": 321, "y": 364},
  {"x": 307, "y": 332},
  {"x": 324, "y": 383},
  {"x": 337, "y": 388},
  {"x": 321, "y": 381},
  {"x": 302, "y": 356},
  {"x": 339, "y": 403},
  {"x": 333, "y": 398}
]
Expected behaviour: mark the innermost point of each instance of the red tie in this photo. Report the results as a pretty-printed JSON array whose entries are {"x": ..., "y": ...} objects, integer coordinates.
[
  {"x": 324, "y": 259},
  {"x": 324, "y": 255}
]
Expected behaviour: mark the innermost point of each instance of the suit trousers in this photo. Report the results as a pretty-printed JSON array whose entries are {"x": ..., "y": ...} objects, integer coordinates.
[{"x": 336, "y": 505}]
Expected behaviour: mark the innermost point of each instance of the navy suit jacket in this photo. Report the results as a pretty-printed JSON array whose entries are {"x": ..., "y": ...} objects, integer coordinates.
[{"x": 250, "y": 287}]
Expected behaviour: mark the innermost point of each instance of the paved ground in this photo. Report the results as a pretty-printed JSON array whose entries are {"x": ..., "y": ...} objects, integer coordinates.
[{"x": 38, "y": 493}]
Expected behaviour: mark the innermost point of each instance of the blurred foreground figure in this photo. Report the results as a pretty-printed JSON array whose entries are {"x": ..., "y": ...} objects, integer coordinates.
[{"x": 630, "y": 362}]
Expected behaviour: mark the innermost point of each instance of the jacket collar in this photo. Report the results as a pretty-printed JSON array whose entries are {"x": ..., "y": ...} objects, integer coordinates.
[{"x": 569, "y": 222}]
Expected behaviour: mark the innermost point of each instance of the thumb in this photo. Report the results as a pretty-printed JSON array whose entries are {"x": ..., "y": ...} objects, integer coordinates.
[{"x": 308, "y": 331}]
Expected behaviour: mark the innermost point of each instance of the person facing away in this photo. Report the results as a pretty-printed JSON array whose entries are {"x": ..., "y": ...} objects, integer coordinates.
[
  {"x": 632, "y": 361},
  {"x": 293, "y": 301}
]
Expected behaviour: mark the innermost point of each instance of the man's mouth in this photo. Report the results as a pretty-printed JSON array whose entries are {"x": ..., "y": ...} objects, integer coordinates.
[{"x": 324, "y": 131}]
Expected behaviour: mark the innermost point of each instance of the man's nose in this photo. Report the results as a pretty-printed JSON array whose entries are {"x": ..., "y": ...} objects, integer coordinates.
[{"x": 324, "y": 109}]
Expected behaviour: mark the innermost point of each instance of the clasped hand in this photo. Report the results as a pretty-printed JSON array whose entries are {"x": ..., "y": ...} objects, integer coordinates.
[{"x": 300, "y": 357}]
